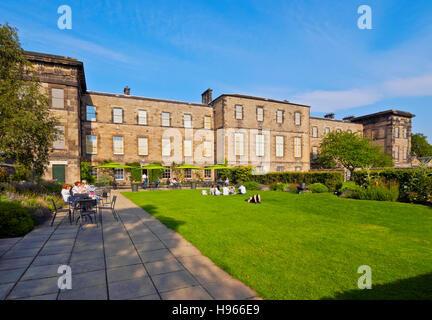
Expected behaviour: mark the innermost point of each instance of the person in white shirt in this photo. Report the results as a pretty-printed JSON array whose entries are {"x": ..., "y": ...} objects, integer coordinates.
[
  {"x": 204, "y": 192},
  {"x": 65, "y": 193},
  {"x": 242, "y": 189},
  {"x": 217, "y": 191},
  {"x": 212, "y": 190},
  {"x": 76, "y": 188},
  {"x": 225, "y": 191}
]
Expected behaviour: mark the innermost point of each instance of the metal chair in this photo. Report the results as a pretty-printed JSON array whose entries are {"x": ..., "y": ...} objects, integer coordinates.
[
  {"x": 61, "y": 210},
  {"x": 85, "y": 210},
  {"x": 111, "y": 207}
]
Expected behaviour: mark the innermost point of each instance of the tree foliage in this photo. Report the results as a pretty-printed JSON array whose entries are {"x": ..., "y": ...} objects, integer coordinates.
[
  {"x": 27, "y": 129},
  {"x": 420, "y": 146},
  {"x": 351, "y": 151}
]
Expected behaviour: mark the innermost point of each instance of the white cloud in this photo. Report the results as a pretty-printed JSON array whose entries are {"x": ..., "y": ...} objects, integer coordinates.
[{"x": 325, "y": 101}]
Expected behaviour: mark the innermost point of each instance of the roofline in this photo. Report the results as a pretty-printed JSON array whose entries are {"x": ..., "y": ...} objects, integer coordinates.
[
  {"x": 51, "y": 58},
  {"x": 145, "y": 98},
  {"x": 332, "y": 120},
  {"x": 257, "y": 98},
  {"x": 382, "y": 113}
]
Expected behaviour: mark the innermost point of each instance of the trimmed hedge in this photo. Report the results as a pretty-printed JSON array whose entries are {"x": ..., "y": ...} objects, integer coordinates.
[
  {"x": 15, "y": 220},
  {"x": 331, "y": 179},
  {"x": 318, "y": 188}
]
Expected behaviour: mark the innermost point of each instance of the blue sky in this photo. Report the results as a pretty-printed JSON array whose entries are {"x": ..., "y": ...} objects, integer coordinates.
[{"x": 308, "y": 52}]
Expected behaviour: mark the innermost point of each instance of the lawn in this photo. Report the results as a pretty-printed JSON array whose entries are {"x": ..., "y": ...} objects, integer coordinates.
[{"x": 305, "y": 246}]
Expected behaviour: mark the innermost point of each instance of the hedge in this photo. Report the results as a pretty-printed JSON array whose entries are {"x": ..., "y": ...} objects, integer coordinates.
[
  {"x": 331, "y": 179},
  {"x": 15, "y": 220}
]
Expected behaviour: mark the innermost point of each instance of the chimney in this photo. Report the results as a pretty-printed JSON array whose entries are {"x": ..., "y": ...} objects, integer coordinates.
[
  {"x": 330, "y": 116},
  {"x": 207, "y": 96},
  {"x": 126, "y": 91},
  {"x": 348, "y": 119}
]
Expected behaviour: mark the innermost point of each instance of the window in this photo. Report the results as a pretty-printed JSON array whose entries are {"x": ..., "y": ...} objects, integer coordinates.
[
  {"x": 187, "y": 119},
  {"x": 259, "y": 145},
  {"x": 91, "y": 113},
  {"x": 297, "y": 118},
  {"x": 260, "y": 169},
  {"x": 118, "y": 145},
  {"x": 298, "y": 169},
  {"x": 279, "y": 116},
  {"x": 208, "y": 149},
  {"x": 405, "y": 153},
  {"x": 94, "y": 172},
  {"x": 188, "y": 148},
  {"x": 167, "y": 174},
  {"x": 338, "y": 130},
  {"x": 119, "y": 174},
  {"x": 142, "y": 117},
  {"x": 117, "y": 115},
  {"x": 405, "y": 133},
  {"x": 57, "y": 98},
  {"x": 397, "y": 132},
  {"x": 207, "y": 122},
  {"x": 238, "y": 144},
  {"x": 314, "y": 153},
  {"x": 59, "y": 144},
  {"x": 166, "y": 147},
  {"x": 280, "y": 146},
  {"x": 91, "y": 144},
  {"x": 207, "y": 174},
  {"x": 142, "y": 146},
  {"x": 297, "y": 147},
  {"x": 280, "y": 169},
  {"x": 260, "y": 114},
  {"x": 314, "y": 132},
  {"x": 239, "y": 112},
  {"x": 396, "y": 156},
  {"x": 188, "y": 173},
  {"x": 165, "y": 119},
  {"x": 327, "y": 130}
]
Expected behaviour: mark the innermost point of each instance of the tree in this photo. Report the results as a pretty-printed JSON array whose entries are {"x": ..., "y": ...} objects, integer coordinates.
[
  {"x": 420, "y": 146},
  {"x": 27, "y": 129},
  {"x": 351, "y": 151}
]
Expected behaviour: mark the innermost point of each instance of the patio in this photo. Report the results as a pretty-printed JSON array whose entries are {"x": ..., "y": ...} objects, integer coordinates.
[{"x": 135, "y": 258}]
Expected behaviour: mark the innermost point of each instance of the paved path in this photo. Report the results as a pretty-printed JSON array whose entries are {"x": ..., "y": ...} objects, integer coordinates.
[{"x": 134, "y": 258}]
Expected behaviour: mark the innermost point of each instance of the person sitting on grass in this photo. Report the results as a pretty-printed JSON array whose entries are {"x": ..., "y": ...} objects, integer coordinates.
[
  {"x": 225, "y": 191},
  {"x": 212, "y": 190},
  {"x": 232, "y": 190},
  {"x": 242, "y": 189},
  {"x": 217, "y": 191},
  {"x": 254, "y": 199}
]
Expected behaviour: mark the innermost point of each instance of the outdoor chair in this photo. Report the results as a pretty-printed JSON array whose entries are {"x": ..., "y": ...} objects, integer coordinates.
[
  {"x": 87, "y": 208},
  {"x": 61, "y": 210},
  {"x": 111, "y": 207}
]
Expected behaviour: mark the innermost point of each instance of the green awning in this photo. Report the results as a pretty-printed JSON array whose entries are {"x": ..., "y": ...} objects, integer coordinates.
[
  {"x": 114, "y": 165},
  {"x": 153, "y": 167},
  {"x": 189, "y": 166},
  {"x": 218, "y": 167}
]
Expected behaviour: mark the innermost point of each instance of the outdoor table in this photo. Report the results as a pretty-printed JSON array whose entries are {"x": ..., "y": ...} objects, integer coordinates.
[{"x": 87, "y": 206}]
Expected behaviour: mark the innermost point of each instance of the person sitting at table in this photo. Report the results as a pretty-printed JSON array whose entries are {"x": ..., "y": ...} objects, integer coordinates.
[
  {"x": 242, "y": 189},
  {"x": 225, "y": 191},
  {"x": 66, "y": 193},
  {"x": 254, "y": 199},
  {"x": 77, "y": 188},
  {"x": 84, "y": 187},
  {"x": 217, "y": 191},
  {"x": 232, "y": 190}
]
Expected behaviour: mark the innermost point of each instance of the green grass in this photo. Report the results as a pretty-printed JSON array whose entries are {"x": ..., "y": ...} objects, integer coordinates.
[{"x": 305, "y": 246}]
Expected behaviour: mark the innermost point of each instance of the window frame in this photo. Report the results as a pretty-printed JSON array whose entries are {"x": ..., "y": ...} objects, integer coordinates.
[
  {"x": 297, "y": 116},
  {"x": 207, "y": 149},
  {"x": 190, "y": 120},
  {"x": 315, "y": 133},
  {"x": 238, "y": 111},
  {"x": 116, "y": 176},
  {"x": 260, "y": 114},
  {"x": 164, "y": 119},
  {"x": 281, "y": 113},
  {"x": 87, "y": 114},
  {"x": 209, "y": 122},
  {"x": 59, "y": 99},
  {"x": 115, "y": 116},
  {"x": 298, "y": 149},
  {"x": 139, "y": 149},
  {"x": 164, "y": 147},
  {"x": 87, "y": 144},
  {"x": 185, "y": 147},
  {"x": 280, "y": 153},
  {"x": 114, "y": 145},
  {"x": 140, "y": 117},
  {"x": 237, "y": 143}
]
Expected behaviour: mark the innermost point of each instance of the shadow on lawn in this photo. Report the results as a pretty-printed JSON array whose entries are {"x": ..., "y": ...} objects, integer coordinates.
[
  {"x": 416, "y": 288},
  {"x": 168, "y": 221}
]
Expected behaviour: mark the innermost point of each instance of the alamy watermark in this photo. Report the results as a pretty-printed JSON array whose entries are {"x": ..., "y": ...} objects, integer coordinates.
[
  {"x": 64, "y": 282},
  {"x": 365, "y": 20},
  {"x": 65, "y": 20},
  {"x": 365, "y": 281}
]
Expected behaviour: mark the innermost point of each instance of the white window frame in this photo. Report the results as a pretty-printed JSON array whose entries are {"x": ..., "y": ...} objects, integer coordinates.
[
  {"x": 314, "y": 152},
  {"x": 207, "y": 173},
  {"x": 208, "y": 149},
  {"x": 188, "y": 173},
  {"x": 166, "y": 121},
  {"x": 260, "y": 114},
  {"x": 117, "y": 115},
  {"x": 207, "y": 122},
  {"x": 122, "y": 145},
  {"x": 166, "y": 147},
  {"x": 93, "y": 113},
  {"x": 280, "y": 169},
  {"x": 187, "y": 148},
  {"x": 327, "y": 130},
  {"x": 142, "y": 117},
  {"x": 239, "y": 112},
  {"x": 280, "y": 146},
  {"x": 187, "y": 120},
  {"x": 60, "y": 143},
  {"x": 92, "y": 143},
  {"x": 298, "y": 152},
  {"x": 117, "y": 175},
  {"x": 57, "y": 98},
  {"x": 142, "y": 146},
  {"x": 279, "y": 116},
  {"x": 238, "y": 144},
  {"x": 260, "y": 145},
  {"x": 405, "y": 153},
  {"x": 314, "y": 132},
  {"x": 297, "y": 118},
  {"x": 397, "y": 154},
  {"x": 397, "y": 133},
  {"x": 167, "y": 173}
]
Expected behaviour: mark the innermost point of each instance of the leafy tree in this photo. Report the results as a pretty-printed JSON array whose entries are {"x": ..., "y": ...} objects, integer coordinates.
[
  {"x": 351, "y": 151},
  {"x": 27, "y": 129},
  {"x": 86, "y": 172},
  {"x": 420, "y": 146}
]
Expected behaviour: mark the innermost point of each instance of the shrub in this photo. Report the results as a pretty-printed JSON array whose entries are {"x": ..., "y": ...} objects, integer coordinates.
[
  {"x": 348, "y": 186},
  {"x": 4, "y": 175},
  {"x": 251, "y": 185},
  {"x": 378, "y": 193},
  {"x": 86, "y": 172},
  {"x": 330, "y": 179},
  {"x": 318, "y": 188},
  {"x": 235, "y": 175},
  {"x": 292, "y": 188},
  {"x": 278, "y": 186},
  {"x": 15, "y": 220}
]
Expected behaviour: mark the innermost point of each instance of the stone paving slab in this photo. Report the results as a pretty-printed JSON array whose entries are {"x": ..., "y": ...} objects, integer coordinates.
[{"x": 136, "y": 258}]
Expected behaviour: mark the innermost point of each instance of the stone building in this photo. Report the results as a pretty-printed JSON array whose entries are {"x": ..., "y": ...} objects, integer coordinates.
[{"x": 270, "y": 135}]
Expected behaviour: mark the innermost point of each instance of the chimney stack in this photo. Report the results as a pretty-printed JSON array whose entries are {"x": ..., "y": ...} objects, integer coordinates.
[
  {"x": 207, "y": 96},
  {"x": 330, "y": 116},
  {"x": 127, "y": 91}
]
